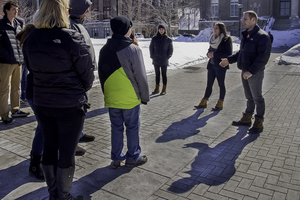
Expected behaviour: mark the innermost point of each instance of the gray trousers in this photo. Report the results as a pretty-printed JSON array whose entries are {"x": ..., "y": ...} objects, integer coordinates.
[{"x": 253, "y": 93}]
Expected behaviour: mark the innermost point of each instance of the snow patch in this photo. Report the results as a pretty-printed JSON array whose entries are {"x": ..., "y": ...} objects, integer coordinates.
[{"x": 291, "y": 57}]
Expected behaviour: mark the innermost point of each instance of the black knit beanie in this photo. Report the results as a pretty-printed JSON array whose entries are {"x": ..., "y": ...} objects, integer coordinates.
[
  {"x": 120, "y": 25},
  {"x": 161, "y": 26}
]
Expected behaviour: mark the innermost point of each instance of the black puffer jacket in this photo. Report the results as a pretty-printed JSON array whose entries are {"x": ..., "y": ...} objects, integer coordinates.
[
  {"x": 10, "y": 52},
  {"x": 161, "y": 50},
  {"x": 223, "y": 51},
  {"x": 61, "y": 66},
  {"x": 254, "y": 51}
]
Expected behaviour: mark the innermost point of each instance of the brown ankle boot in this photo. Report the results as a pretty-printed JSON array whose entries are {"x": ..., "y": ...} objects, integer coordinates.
[
  {"x": 164, "y": 90},
  {"x": 257, "y": 126},
  {"x": 244, "y": 121},
  {"x": 156, "y": 90},
  {"x": 219, "y": 106},
  {"x": 202, "y": 104}
]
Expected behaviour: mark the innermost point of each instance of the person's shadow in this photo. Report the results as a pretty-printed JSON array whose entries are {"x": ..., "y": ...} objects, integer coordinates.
[
  {"x": 186, "y": 127},
  {"x": 86, "y": 186},
  {"x": 214, "y": 166},
  {"x": 15, "y": 177}
]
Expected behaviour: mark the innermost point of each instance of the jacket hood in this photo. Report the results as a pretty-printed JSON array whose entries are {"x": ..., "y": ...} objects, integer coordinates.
[
  {"x": 118, "y": 42},
  {"x": 78, "y": 7}
]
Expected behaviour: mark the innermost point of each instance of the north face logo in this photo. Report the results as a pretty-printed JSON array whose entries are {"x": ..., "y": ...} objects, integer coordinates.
[{"x": 57, "y": 41}]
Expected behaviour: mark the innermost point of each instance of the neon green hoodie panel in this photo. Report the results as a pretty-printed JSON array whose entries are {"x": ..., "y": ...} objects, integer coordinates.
[{"x": 119, "y": 92}]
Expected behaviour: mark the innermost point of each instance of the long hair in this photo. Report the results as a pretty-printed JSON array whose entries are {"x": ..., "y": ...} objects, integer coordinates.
[
  {"x": 53, "y": 13},
  {"x": 132, "y": 36},
  {"x": 22, "y": 36},
  {"x": 223, "y": 29}
]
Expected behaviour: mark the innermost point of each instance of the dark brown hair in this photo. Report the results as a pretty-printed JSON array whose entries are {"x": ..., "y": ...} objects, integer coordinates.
[
  {"x": 22, "y": 36},
  {"x": 8, "y": 5},
  {"x": 133, "y": 38},
  {"x": 223, "y": 29}
]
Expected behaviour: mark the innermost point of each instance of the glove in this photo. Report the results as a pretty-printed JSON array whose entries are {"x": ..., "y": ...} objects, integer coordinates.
[{"x": 145, "y": 103}]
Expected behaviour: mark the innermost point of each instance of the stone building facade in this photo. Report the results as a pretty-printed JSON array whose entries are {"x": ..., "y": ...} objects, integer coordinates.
[{"x": 230, "y": 12}]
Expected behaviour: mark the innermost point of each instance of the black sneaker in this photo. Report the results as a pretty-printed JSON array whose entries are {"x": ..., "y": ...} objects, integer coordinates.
[
  {"x": 79, "y": 151},
  {"x": 8, "y": 120},
  {"x": 115, "y": 164},
  {"x": 142, "y": 160},
  {"x": 19, "y": 113},
  {"x": 87, "y": 138}
]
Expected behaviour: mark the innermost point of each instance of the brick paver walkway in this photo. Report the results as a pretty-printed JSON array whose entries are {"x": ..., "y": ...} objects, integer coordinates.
[{"x": 193, "y": 154}]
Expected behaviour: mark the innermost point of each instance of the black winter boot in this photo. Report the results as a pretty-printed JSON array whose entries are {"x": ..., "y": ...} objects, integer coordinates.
[
  {"x": 244, "y": 121},
  {"x": 50, "y": 178},
  {"x": 35, "y": 166},
  {"x": 64, "y": 184},
  {"x": 257, "y": 126}
]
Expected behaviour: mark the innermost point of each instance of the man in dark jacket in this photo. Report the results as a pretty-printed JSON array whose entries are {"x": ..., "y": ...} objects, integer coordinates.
[
  {"x": 251, "y": 59},
  {"x": 11, "y": 59},
  {"x": 124, "y": 83},
  {"x": 78, "y": 11}
]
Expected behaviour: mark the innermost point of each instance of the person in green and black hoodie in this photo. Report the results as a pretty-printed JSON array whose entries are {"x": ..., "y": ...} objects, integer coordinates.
[{"x": 124, "y": 83}]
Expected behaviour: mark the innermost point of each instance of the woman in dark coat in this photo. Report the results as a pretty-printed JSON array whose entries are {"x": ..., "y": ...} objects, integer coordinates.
[
  {"x": 62, "y": 72},
  {"x": 161, "y": 50},
  {"x": 220, "y": 47}
]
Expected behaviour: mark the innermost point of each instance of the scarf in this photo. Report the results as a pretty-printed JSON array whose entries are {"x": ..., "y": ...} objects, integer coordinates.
[{"x": 215, "y": 41}]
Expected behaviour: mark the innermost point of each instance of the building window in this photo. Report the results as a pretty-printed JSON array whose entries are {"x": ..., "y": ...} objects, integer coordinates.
[
  {"x": 285, "y": 7},
  {"x": 106, "y": 12},
  {"x": 214, "y": 8},
  {"x": 234, "y": 8},
  {"x": 255, "y": 9}
]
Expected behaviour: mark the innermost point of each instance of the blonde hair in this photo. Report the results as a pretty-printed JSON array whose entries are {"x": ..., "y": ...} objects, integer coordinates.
[{"x": 53, "y": 13}]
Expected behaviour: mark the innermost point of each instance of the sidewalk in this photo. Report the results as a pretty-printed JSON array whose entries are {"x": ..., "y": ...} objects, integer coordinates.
[{"x": 192, "y": 154}]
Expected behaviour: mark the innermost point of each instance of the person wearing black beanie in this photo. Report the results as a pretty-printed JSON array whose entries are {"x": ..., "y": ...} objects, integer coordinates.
[
  {"x": 161, "y": 50},
  {"x": 120, "y": 25},
  {"x": 124, "y": 84}
]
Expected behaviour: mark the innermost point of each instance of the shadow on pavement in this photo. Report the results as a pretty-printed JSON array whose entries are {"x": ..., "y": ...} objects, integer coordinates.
[
  {"x": 213, "y": 166},
  {"x": 18, "y": 122},
  {"x": 86, "y": 185},
  {"x": 26, "y": 120},
  {"x": 186, "y": 127},
  {"x": 15, "y": 177},
  {"x": 96, "y": 112}
]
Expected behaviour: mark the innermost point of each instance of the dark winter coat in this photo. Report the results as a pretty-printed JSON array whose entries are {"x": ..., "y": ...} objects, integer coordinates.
[
  {"x": 76, "y": 24},
  {"x": 223, "y": 51},
  {"x": 78, "y": 8},
  {"x": 10, "y": 52},
  {"x": 61, "y": 67},
  {"x": 254, "y": 51},
  {"x": 161, "y": 50}
]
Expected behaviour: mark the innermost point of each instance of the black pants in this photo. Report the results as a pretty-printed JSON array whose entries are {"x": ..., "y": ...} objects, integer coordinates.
[
  {"x": 163, "y": 73},
  {"x": 212, "y": 74},
  {"x": 61, "y": 129}
]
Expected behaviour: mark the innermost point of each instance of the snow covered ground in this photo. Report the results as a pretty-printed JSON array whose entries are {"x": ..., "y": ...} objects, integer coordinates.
[
  {"x": 190, "y": 51},
  {"x": 185, "y": 53}
]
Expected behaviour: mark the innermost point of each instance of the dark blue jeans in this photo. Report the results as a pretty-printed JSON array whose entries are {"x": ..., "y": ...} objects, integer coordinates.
[
  {"x": 23, "y": 82},
  {"x": 253, "y": 93},
  {"x": 38, "y": 140},
  {"x": 129, "y": 117},
  {"x": 61, "y": 129},
  {"x": 212, "y": 74}
]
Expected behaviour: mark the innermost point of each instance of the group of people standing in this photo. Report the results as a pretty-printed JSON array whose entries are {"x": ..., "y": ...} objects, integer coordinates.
[
  {"x": 254, "y": 53},
  {"x": 61, "y": 61}
]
